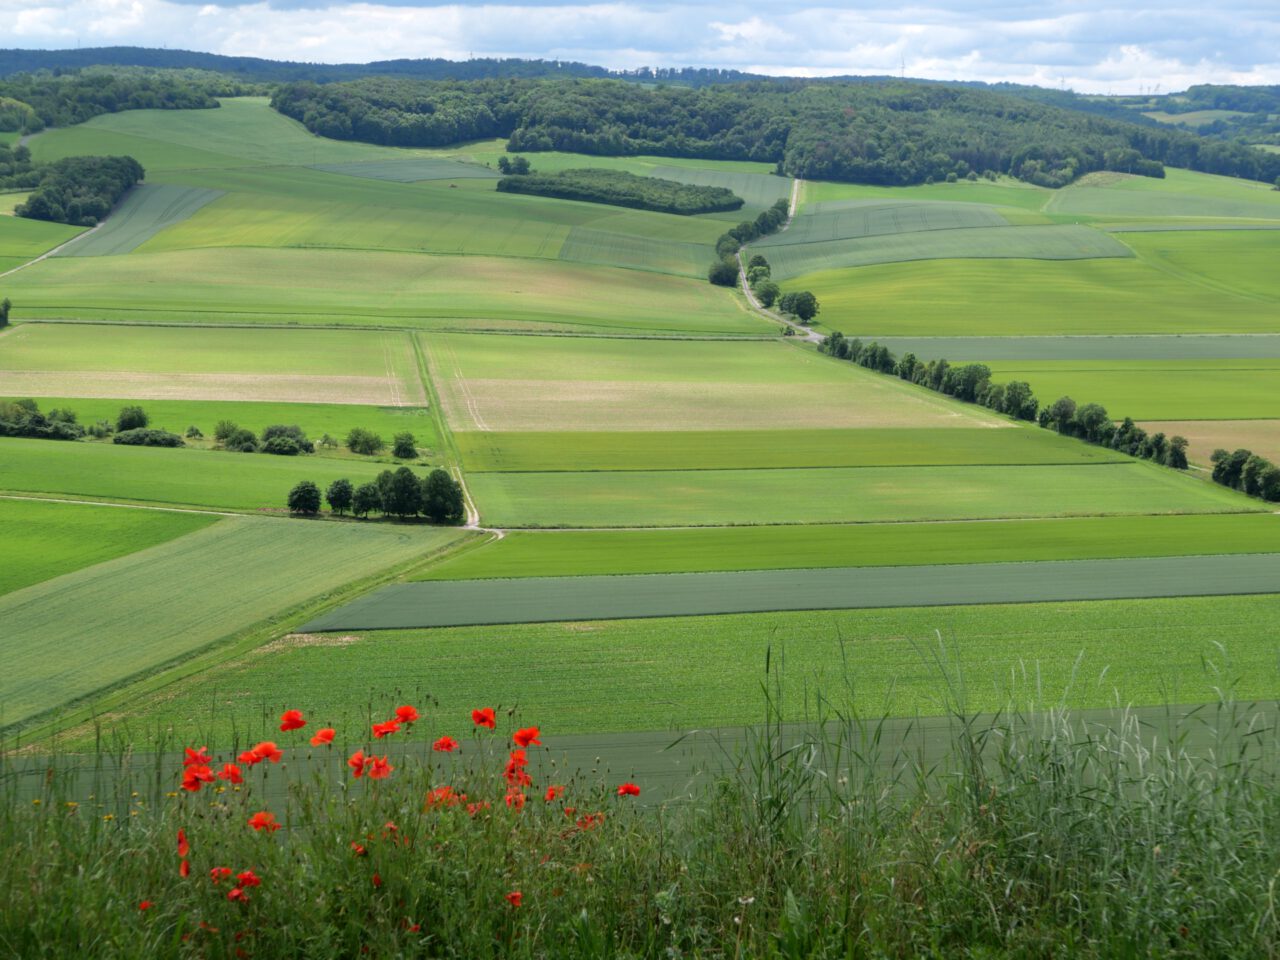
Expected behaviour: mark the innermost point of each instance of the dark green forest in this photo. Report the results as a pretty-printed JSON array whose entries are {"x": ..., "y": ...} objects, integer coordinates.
[
  {"x": 883, "y": 132},
  {"x": 624, "y": 190},
  {"x": 80, "y": 190}
]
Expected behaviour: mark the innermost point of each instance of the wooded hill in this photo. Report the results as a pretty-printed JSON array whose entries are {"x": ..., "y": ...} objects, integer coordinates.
[{"x": 883, "y": 132}]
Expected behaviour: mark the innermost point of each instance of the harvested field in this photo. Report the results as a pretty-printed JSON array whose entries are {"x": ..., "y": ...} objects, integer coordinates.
[
  {"x": 546, "y": 599},
  {"x": 1260, "y": 436}
]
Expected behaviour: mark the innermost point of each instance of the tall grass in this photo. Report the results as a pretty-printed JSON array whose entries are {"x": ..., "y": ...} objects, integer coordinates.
[{"x": 1027, "y": 834}]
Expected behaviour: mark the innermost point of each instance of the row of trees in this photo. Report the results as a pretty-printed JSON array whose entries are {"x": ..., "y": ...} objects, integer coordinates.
[
  {"x": 80, "y": 190},
  {"x": 971, "y": 382},
  {"x": 723, "y": 271},
  {"x": 622, "y": 189},
  {"x": 1247, "y": 472},
  {"x": 892, "y": 132},
  {"x": 400, "y": 493}
]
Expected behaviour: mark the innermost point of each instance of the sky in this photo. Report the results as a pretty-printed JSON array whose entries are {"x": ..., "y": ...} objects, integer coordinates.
[{"x": 1083, "y": 45}]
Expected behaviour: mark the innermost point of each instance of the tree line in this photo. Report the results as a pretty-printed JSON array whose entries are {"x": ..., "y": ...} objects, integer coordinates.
[
  {"x": 399, "y": 493},
  {"x": 882, "y": 131},
  {"x": 622, "y": 189},
  {"x": 1247, "y": 472},
  {"x": 972, "y": 383},
  {"x": 80, "y": 190},
  {"x": 724, "y": 269}
]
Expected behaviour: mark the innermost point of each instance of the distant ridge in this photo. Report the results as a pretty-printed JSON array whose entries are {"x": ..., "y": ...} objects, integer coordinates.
[{"x": 255, "y": 68}]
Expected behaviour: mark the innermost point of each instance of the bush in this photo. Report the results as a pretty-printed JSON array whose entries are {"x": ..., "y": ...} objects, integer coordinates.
[
  {"x": 723, "y": 273},
  {"x": 304, "y": 499},
  {"x": 273, "y": 437},
  {"x": 22, "y": 418},
  {"x": 131, "y": 418},
  {"x": 147, "y": 437},
  {"x": 241, "y": 441},
  {"x": 403, "y": 447},
  {"x": 193, "y": 433},
  {"x": 282, "y": 447},
  {"x": 365, "y": 442},
  {"x": 223, "y": 430}
]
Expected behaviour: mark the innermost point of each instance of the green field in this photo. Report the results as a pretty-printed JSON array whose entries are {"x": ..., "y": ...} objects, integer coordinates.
[
  {"x": 518, "y": 384},
  {"x": 867, "y": 494},
  {"x": 410, "y": 170},
  {"x": 315, "y": 419},
  {"x": 1006, "y": 192},
  {"x": 114, "y": 620},
  {"x": 1030, "y": 298},
  {"x": 550, "y": 553},
  {"x": 22, "y": 239},
  {"x": 199, "y": 478},
  {"x": 1236, "y": 264},
  {"x": 683, "y": 673},
  {"x": 1181, "y": 193},
  {"x": 759, "y": 190},
  {"x": 148, "y": 209},
  {"x": 746, "y": 449},
  {"x": 46, "y": 540},
  {"x": 1032, "y": 242},
  {"x": 69, "y": 360},
  {"x": 1153, "y": 347},
  {"x": 853, "y": 219},
  {"x": 244, "y": 286},
  {"x": 1157, "y": 389},
  {"x": 1206, "y": 436}
]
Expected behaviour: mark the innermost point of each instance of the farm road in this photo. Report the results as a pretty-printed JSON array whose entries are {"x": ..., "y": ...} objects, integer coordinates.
[
  {"x": 556, "y": 599},
  {"x": 804, "y": 331}
]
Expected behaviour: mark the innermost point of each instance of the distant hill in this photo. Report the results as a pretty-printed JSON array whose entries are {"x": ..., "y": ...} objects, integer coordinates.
[{"x": 260, "y": 70}]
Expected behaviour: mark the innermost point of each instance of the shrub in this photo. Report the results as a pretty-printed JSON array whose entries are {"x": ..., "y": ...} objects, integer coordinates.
[
  {"x": 147, "y": 437},
  {"x": 223, "y": 430},
  {"x": 241, "y": 441},
  {"x": 288, "y": 441},
  {"x": 723, "y": 273},
  {"x": 131, "y": 418},
  {"x": 365, "y": 442},
  {"x": 193, "y": 433},
  {"x": 403, "y": 447},
  {"x": 282, "y": 447},
  {"x": 22, "y": 418}
]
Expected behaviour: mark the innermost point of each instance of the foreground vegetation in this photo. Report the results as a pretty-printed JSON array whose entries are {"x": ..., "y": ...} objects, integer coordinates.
[{"x": 1027, "y": 836}]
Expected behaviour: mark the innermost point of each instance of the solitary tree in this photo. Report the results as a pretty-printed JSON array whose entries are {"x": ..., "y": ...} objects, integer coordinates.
[
  {"x": 131, "y": 418},
  {"x": 304, "y": 499},
  {"x": 723, "y": 273},
  {"x": 5, "y": 306},
  {"x": 403, "y": 447},
  {"x": 339, "y": 495}
]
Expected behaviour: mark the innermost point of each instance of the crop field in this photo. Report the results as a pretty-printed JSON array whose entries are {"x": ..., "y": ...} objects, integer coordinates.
[
  {"x": 1055, "y": 242},
  {"x": 410, "y": 170},
  {"x": 1181, "y": 194},
  {"x": 148, "y": 209},
  {"x": 584, "y": 245},
  {"x": 199, "y": 478},
  {"x": 165, "y": 603},
  {"x": 1257, "y": 346},
  {"x": 326, "y": 287},
  {"x": 1157, "y": 389},
  {"x": 1006, "y": 192},
  {"x": 854, "y": 219},
  {"x": 1029, "y": 298},
  {"x": 571, "y": 553},
  {"x": 833, "y": 495},
  {"x": 759, "y": 190},
  {"x": 66, "y": 360},
  {"x": 46, "y": 540},
  {"x": 9, "y": 200},
  {"x": 743, "y": 449},
  {"x": 682, "y": 673},
  {"x": 21, "y": 239},
  {"x": 315, "y": 419},
  {"x": 1238, "y": 263},
  {"x": 455, "y": 603},
  {"x": 553, "y": 384},
  {"x": 1205, "y": 436}
]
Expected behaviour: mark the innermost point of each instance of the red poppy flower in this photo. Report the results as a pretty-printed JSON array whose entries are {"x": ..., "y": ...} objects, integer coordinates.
[
  {"x": 553, "y": 793},
  {"x": 323, "y": 737},
  {"x": 194, "y": 777},
  {"x": 628, "y": 790},
  {"x": 516, "y": 799},
  {"x": 262, "y": 820},
  {"x": 357, "y": 762},
  {"x": 184, "y": 868},
  {"x": 526, "y": 737},
  {"x": 218, "y": 874},
  {"x": 515, "y": 898},
  {"x": 590, "y": 820},
  {"x": 484, "y": 718},
  {"x": 231, "y": 772},
  {"x": 406, "y": 714},
  {"x": 377, "y": 880},
  {"x": 196, "y": 757},
  {"x": 248, "y": 878},
  {"x": 358, "y": 849},
  {"x": 292, "y": 720},
  {"x": 184, "y": 848},
  {"x": 267, "y": 750},
  {"x": 443, "y": 797},
  {"x": 475, "y": 808},
  {"x": 445, "y": 745},
  {"x": 378, "y": 768},
  {"x": 145, "y": 905},
  {"x": 249, "y": 758},
  {"x": 237, "y": 895},
  {"x": 381, "y": 730}
]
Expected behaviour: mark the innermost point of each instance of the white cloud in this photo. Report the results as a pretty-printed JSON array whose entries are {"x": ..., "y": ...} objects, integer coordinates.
[{"x": 1086, "y": 44}]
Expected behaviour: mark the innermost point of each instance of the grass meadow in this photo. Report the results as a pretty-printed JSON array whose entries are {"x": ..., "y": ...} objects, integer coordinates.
[
  {"x": 120, "y": 618},
  {"x": 46, "y": 540},
  {"x": 22, "y": 240},
  {"x": 692, "y": 672},
  {"x": 569, "y": 553},
  {"x": 170, "y": 477},
  {"x": 833, "y": 495}
]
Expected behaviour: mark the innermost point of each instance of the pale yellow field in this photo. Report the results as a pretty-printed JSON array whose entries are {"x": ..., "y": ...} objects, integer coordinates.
[{"x": 1260, "y": 436}]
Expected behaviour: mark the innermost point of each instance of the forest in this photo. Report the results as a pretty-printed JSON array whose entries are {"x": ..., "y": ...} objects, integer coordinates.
[
  {"x": 80, "y": 190},
  {"x": 623, "y": 189},
  {"x": 877, "y": 131}
]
